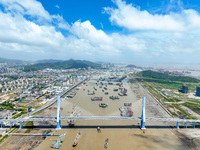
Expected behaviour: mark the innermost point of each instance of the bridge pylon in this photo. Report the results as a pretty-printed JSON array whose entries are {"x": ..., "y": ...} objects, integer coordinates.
[
  {"x": 142, "y": 125},
  {"x": 58, "y": 127}
]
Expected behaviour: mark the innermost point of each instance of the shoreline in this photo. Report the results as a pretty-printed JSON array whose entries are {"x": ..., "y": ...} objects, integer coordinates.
[{"x": 131, "y": 134}]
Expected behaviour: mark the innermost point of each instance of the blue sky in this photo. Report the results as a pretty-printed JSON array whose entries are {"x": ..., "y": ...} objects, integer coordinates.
[{"x": 131, "y": 31}]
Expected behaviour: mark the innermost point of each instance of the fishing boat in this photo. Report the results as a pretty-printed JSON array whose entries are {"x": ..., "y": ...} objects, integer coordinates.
[
  {"x": 56, "y": 145},
  {"x": 127, "y": 104},
  {"x": 96, "y": 98},
  {"x": 106, "y": 93},
  {"x": 106, "y": 143},
  {"x": 122, "y": 94},
  {"x": 115, "y": 89},
  {"x": 99, "y": 129},
  {"x": 103, "y": 105},
  {"x": 62, "y": 137},
  {"x": 76, "y": 139},
  {"x": 114, "y": 97}
]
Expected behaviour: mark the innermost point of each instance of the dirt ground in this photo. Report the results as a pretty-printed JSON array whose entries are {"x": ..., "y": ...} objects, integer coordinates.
[{"x": 122, "y": 134}]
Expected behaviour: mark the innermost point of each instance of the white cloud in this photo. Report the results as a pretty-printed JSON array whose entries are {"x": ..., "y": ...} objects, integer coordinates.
[
  {"x": 57, "y": 6},
  {"x": 132, "y": 18},
  {"x": 26, "y": 7},
  {"x": 27, "y": 38},
  {"x": 87, "y": 31}
]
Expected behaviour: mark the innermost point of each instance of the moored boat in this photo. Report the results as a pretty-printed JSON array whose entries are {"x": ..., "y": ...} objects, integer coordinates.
[
  {"x": 103, "y": 105},
  {"x": 106, "y": 143},
  {"x": 56, "y": 145},
  {"x": 76, "y": 139},
  {"x": 96, "y": 98}
]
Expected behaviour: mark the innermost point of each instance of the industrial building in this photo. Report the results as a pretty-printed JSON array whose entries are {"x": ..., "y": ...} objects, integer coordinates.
[
  {"x": 198, "y": 91},
  {"x": 184, "y": 89}
]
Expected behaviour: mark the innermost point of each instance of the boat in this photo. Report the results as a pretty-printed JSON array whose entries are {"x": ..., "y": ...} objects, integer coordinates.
[
  {"x": 96, "y": 98},
  {"x": 71, "y": 123},
  {"x": 98, "y": 130},
  {"x": 76, "y": 139},
  {"x": 78, "y": 88},
  {"x": 127, "y": 104},
  {"x": 115, "y": 89},
  {"x": 91, "y": 93},
  {"x": 114, "y": 97},
  {"x": 123, "y": 90},
  {"x": 103, "y": 105},
  {"x": 62, "y": 137},
  {"x": 74, "y": 114},
  {"x": 106, "y": 143},
  {"x": 56, "y": 145},
  {"x": 126, "y": 111},
  {"x": 122, "y": 94}
]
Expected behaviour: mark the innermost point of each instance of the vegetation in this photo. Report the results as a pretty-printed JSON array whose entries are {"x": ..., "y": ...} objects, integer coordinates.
[
  {"x": 12, "y": 77},
  {"x": 38, "y": 112},
  {"x": 192, "y": 106},
  {"x": 62, "y": 65},
  {"x": 6, "y": 136},
  {"x": 154, "y": 82},
  {"x": 165, "y": 77},
  {"x": 7, "y": 105},
  {"x": 183, "y": 111},
  {"x": 18, "y": 115},
  {"x": 196, "y": 101},
  {"x": 30, "y": 124},
  {"x": 169, "y": 81}
]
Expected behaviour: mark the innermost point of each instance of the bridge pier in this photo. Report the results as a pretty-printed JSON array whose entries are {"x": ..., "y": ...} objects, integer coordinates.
[
  {"x": 11, "y": 124},
  {"x": 58, "y": 127},
  {"x": 193, "y": 124},
  {"x": 20, "y": 125},
  {"x": 185, "y": 124},
  {"x": 177, "y": 125},
  {"x": 142, "y": 126}
]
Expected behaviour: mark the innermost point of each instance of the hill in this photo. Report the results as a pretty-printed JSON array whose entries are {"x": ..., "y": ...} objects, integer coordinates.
[
  {"x": 131, "y": 66},
  {"x": 48, "y": 61},
  {"x": 5, "y": 60},
  {"x": 62, "y": 65},
  {"x": 161, "y": 76}
]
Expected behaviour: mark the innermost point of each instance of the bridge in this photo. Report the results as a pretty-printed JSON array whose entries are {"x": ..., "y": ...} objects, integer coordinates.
[
  {"x": 58, "y": 119},
  {"x": 54, "y": 99}
]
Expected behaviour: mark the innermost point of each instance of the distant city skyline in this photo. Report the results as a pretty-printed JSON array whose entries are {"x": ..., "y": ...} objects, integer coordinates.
[{"x": 147, "y": 31}]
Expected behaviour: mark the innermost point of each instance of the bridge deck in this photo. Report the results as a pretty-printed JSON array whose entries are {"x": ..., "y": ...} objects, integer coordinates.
[{"x": 98, "y": 118}]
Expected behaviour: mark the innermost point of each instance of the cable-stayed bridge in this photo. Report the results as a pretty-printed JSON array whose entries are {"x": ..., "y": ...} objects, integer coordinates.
[
  {"x": 98, "y": 118},
  {"x": 58, "y": 118}
]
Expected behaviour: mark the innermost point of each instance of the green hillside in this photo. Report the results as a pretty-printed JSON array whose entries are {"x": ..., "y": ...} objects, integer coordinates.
[
  {"x": 62, "y": 65},
  {"x": 157, "y": 75}
]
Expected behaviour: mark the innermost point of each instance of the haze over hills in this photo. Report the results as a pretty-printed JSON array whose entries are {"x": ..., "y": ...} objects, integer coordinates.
[
  {"x": 47, "y": 61},
  {"x": 6, "y": 60},
  {"x": 131, "y": 66},
  {"x": 68, "y": 64}
]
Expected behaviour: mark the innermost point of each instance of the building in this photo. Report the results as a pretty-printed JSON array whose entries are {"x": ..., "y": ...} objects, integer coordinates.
[
  {"x": 184, "y": 89},
  {"x": 198, "y": 91}
]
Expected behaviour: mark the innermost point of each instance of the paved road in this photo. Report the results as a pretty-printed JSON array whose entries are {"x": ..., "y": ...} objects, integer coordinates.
[{"x": 53, "y": 100}]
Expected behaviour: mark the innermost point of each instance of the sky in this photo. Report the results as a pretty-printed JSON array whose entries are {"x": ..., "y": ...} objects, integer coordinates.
[{"x": 124, "y": 31}]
